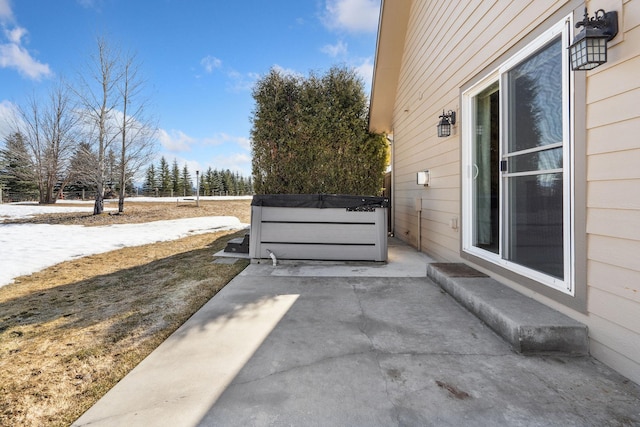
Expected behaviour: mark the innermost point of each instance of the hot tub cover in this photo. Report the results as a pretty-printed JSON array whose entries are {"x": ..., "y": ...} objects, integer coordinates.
[{"x": 320, "y": 201}]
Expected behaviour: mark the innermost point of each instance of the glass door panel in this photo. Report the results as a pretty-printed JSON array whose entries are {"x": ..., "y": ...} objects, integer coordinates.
[
  {"x": 486, "y": 175},
  {"x": 534, "y": 175},
  {"x": 535, "y": 222}
]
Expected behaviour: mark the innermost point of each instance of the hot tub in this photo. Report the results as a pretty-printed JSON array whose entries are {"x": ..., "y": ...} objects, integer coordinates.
[{"x": 319, "y": 227}]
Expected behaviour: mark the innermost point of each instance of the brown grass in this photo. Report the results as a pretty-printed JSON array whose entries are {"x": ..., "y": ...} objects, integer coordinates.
[
  {"x": 145, "y": 212},
  {"x": 70, "y": 332}
]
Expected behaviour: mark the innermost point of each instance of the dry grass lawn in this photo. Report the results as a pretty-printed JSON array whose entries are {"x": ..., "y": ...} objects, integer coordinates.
[{"x": 70, "y": 332}]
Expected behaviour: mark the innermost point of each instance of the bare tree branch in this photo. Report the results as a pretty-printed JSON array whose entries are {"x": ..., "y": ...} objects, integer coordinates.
[
  {"x": 99, "y": 97},
  {"x": 48, "y": 129},
  {"x": 137, "y": 131}
]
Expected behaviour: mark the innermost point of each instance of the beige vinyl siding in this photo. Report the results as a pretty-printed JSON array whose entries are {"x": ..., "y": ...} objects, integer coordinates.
[
  {"x": 627, "y": 164},
  {"x": 445, "y": 46},
  {"x": 448, "y": 46},
  {"x": 613, "y": 200},
  {"x": 615, "y": 194},
  {"x": 613, "y": 137},
  {"x": 621, "y": 223},
  {"x": 615, "y": 280}
]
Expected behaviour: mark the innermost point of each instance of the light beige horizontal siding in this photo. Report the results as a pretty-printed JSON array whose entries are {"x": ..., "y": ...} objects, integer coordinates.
[
  {"x": 614, "y": 81},
  {"x": 619, "y": 338},
  {"x": 621, "y": 223},
  {"x": 613, "y": 200},
  {"x": 623, "y": 164},
  {"x": 616, "y": 345},
  {"x": 616, "y": 194},
  {"x": 617, "y": 136},
  {"x": 440, "y": 55},
  {"x": 612, "y": 336},
  {"x": 610, "y": 356},
  {"x": 631, "y": 18},
  {"x": 623, "y": 282},
  {"x": 625, "y": 314},
  {"x": 615, "y": 251},
  {"x": 624, "y": 106}
]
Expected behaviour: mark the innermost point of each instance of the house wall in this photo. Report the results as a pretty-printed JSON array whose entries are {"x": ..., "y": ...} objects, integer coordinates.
[
  {"x": 450, "y": 45},
  {"x": 613, "y": 199}
]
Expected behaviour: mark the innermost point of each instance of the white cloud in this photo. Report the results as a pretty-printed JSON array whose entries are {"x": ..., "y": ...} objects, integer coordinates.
[
  {"x": 5, "y": 11},
  {"x": 352, "y": 15},
  {"x": 90, "y": 4},
  {"x": 15, "y": 35},
  {"x": 15, "y": 56},
  {"x": 365, "y": 70},
  {"x": 210, "y": 63},
  {"x": 12, "y": 52},
  {"x": 239, "y": 82},
  {"x": 333, "y": 50},
  {"x": 287, "y": 71},
  {"x": 235, "y": 162},
  {"x": 221, "y": 138},
  {"x": 175, "y": 140},
  {"x": 192, "y": 166}
]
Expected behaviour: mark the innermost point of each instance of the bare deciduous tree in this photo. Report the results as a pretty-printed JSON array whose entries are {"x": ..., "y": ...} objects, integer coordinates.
[
  {"x": 48, "y": 128},
  {"x": 111, "y": 82},
  {"x": 98, "y": 94},
  {"x": 137, "y": 131}
]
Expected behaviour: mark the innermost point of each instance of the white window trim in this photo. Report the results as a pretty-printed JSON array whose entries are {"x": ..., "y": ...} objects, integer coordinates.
[{"x": 566, "y": 285}]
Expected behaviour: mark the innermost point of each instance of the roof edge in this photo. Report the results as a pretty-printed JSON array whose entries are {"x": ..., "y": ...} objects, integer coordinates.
[{"x": 392, "y": 30}]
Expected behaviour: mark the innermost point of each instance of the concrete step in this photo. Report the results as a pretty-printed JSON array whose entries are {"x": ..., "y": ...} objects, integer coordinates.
[{"x": 528, "y": 325}]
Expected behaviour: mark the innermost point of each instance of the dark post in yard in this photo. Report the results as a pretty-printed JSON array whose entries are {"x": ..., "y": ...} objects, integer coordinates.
[{"x": 198, "y": 188}]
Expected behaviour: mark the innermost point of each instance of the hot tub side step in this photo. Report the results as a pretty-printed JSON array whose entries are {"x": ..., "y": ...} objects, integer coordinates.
[
  {"x": 238, "y": 245},
  {"x": 528, "y": 325}
]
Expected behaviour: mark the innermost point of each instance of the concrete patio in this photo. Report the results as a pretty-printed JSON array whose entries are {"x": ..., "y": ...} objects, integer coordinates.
[{"x": 355, "y": 344}]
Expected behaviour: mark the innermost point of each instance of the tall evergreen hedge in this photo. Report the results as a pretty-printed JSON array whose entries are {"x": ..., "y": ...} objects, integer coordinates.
[{"x": 310, "y": 135}]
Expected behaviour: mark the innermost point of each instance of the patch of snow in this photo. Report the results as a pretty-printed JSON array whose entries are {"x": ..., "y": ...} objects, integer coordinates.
[
  {"x": 28, "y": 210},
  {"x": 27, "y": 248}
]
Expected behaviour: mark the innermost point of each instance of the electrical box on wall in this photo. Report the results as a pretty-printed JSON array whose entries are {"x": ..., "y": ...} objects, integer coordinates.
[{"x": 423, "y": 178}]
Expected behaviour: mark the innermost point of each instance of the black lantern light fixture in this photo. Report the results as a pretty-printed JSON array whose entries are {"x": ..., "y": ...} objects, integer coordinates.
[
  {"x": 589, "y": 48},
  {"x": 446, "y": 121}
]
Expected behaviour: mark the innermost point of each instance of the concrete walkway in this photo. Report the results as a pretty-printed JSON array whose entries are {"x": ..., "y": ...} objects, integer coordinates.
[{"x": 348, "y": 344}]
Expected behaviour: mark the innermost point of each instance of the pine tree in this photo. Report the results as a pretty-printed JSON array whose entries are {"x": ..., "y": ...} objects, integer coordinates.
[
  {"x": 175, "y": 177},
  {"x": 151, "y": 182},
  {"x": 203, "y": 185},
  {"x": 165, "y": 177},
  {"x": 208, "y": 179},
  {"x": 216, "y": 183},
  {"x": 17, "y": 173},
  {"x": 187, "y": 184}
]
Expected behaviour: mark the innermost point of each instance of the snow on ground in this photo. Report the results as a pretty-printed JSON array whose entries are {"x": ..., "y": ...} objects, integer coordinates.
[
  {"x": 27, "y": 248},
  {"x": 27, "y": 210}
]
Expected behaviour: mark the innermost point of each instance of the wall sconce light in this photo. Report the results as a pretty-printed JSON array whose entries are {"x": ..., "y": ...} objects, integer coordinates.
[
  {"x": 589, "y": 48},
  {"x": 446, "y": 121},
  {"x": 423, "y": 178}
]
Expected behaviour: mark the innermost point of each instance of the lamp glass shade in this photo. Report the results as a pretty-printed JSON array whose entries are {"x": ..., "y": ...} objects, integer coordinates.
[
  {"x": 444, "y": 128},
  {"x": 587, "y": 53}
]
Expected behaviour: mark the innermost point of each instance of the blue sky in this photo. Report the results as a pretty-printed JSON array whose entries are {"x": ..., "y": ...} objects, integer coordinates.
[{"x": 200, "y": 58}]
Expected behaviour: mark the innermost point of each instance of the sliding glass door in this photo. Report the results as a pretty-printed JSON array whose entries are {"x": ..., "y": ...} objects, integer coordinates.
[{"x": 516, "y": 151}]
